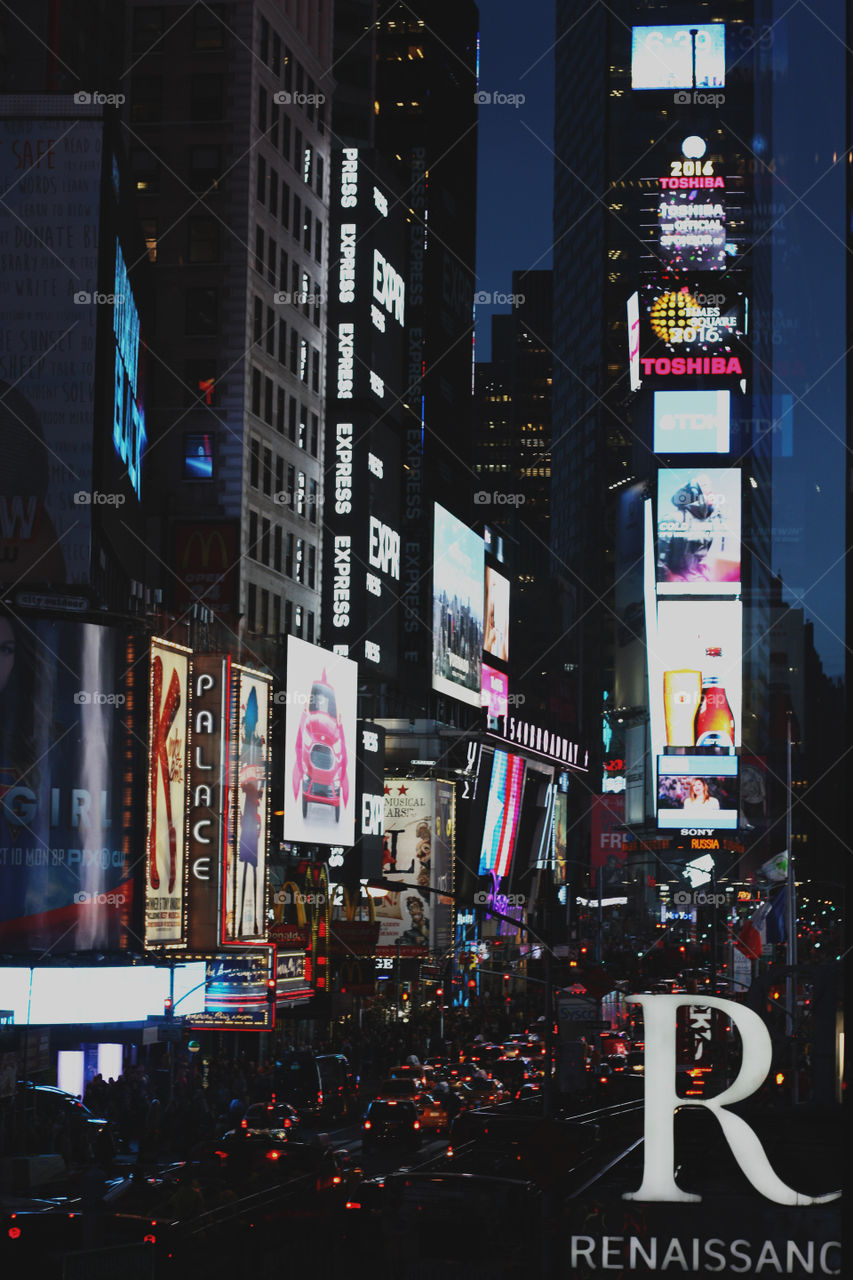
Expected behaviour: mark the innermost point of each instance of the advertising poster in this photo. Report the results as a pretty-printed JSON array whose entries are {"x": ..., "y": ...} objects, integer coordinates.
[
  {"x": 405, "y": 918},
  {"x": 246, "y": 855},
  {"x": 679, "y": 57},
  {"x": 235, "y": 994},
  {"x": 47, "y": 369},
  {"x": 319, "y": 745},
  {"x": 496, "y": 642},
  {"x": 167, "y": 793},
  {"x": 692, "y": 421},
  {"x": 68, "y": 727},
  {"x": 695, "y": 673},
  {"x": 699, "y": 527},
  {"x": 561, "y": 836},
  {"x": 607, "y": 839},
  {"x": 502, "y": 809},
  {"x": 693, "y": 331},
  {"x": 441, "y": 874},
  {"x": 458, "y": 599},
  {"x": 698, "y": 791},
  {"x": 495, "y": 691}
]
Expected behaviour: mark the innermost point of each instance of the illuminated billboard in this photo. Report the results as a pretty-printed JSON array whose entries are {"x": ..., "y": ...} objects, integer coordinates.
[
  {"x": 167, "y": 793},
  {"x": 405, "y": 918},
  {"x": 495, "y": 691},
  {"x": 319, "y": 745},
  {"x": 692, "y": 422},
  {"x": 496, "y": 639},
  {"x": 695, "y": 663},
  {"x": 697, "y": 792},
  {"x": 699, "y": 532},
  {"x": 634, "y": 341},
  {"x": 458, "y": 599},
  {"x": 128, "y": 410},
  {"x": 679, "y": 57},
  {"x": 236, "y": 992},
  {"x": 695, "y": 330},
  {"x": 245, "y": 871},
  {"x": 208, "y": 804},
  {"x": 71, "y": 784},
  {"x": 502, "y": 810},
  {"x": 692, "y": 226}
]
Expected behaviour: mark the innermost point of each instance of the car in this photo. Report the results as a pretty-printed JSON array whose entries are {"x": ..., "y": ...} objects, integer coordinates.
[
  {"x": 270, "y": 1115},
  {"x": 52, "y": 1115},
  {"x": 405, "y": 1088},
  {"x": 296, "y": 1079},
  {"x": 635, "y": 1060},
  {"x": 390, "y": 1120},
  {"x": 340, "y": 1085},
  {"x": 432, "y": 1114},
  {"x": 320, "y": 771}
]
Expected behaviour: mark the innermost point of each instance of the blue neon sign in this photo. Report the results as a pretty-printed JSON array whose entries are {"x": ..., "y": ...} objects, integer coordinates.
[{"x": 128, "y": 411}]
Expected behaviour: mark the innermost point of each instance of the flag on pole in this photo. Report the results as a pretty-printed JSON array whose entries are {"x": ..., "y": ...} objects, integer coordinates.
[
  {"x": 752, "y": 934},
  {"x": 777, "y": 921}
]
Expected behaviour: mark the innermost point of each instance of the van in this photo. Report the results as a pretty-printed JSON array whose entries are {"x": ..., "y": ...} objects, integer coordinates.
[
  {"x": 297, "y": 1081},
  {"x": 339, "y": 1084}
]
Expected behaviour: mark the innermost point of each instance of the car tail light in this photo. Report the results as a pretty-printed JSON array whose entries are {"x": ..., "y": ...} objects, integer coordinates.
[
  {"x": 602, "y": 1079},
  {"x": 352, "y": 1204},
  {"x": 449, "y": 1151},
  {"x": 244, "y": 1124},
  {"x": 149, "y": 1239},
  {"x": 14, "y": 1233},
  {"x": 319, "y": 1099},
  {"x": 287, "y": 1122},
  {"x": 416, "y": 1125},
  {"x": 367, "y": 1125},
  {"x": 336, "y": 1181},
  {"x": 273, "y": 1155}
]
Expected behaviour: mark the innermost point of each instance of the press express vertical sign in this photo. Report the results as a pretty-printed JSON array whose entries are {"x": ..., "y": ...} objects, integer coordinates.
[
  {"x": 167, "y": 792},
  {"x": 346, "y": 272},
  {"x": 128, "y": 413}
]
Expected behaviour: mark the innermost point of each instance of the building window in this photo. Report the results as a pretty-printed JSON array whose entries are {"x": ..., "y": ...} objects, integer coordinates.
[
  {"x": 201, "y": 385},
  {"x": 267, "y": 475},
  {"x": 276, "y": 54},
  {"x": 276, "y": 615},
  {"x": 282, "y": 342},
  {"x": 146, "y": 98},
  {"x": 254, "y": 462},
  {"x": 148, "y": 27},
  {"x": 270, "y": 331},
  {"x": 312, "y": 565},
  {"x": 297, "y": 620},
  {"x": 313, "y": 500},
  {"x": 315, "y": 369},
  {"x": 288, "y": 617},
  {"x": 264, "y": 46},
  {"x": 149, "y": 235},
  {"x": 309, "y": 634},
  {"x": 207, "y": 99},
  {"x": 146, "y": 171},
  {"x": 297, "y": 216},
  {"x": 279, "y": 473},
  {"x": 252, "y": 606},
  {"x": 307, "y": 165},
  {"x": 315, "y": 435},
  {"x": 282, "y": 272},
  {"x": 205, "y": 165},
  {"x": 294, "y": 351},
  {"x": 279, "y": 410},
  {"x": 306, "y": 231},
  {"x": 291, "y": 419},
  {"x": 202, "y": 307},
  {"x": 256, "y": 392},
  {"x": 299, "y": 565},
  {"x": 303, "y": 429},
  {"x": 303, "y": 360},
  {"x": 272, "y": 254},
  {"x": 268, "y": 387},
  {"x": 291, "y": 486},
  {"x": 300, "y": 493},
  {"x": 273, "y": 200},
  {"x": 203, "y": 243},
  {"x": 288, "y": 554},
  {"x": 285, "y": 135},
  {"x": 262, "y": 108},
  {"x": 265, "y": 540},
  {"x": 319, "y": 176},
  {"x": 261, "y": 184},
  {"x": 275, "y": 112},
  {"x": 288, "y": 69},
  {"x": 276, "y": 549},
  {"x": 208, "y": 28},
  {"x": 318, "y": 240},
  {"x": 265, "y": 611},
  {"x": 259, "y": 250},
  {"x": 253, "y": 535},
  {"x": 258, "y": 322}
]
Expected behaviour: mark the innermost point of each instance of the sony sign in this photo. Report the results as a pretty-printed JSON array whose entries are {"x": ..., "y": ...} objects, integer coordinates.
[
  {"x": 207, "y": 762},
  {"x": 662, "y": 1101}
]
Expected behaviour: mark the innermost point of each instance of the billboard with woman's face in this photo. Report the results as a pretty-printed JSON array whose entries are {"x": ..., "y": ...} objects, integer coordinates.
[{"x": 72, "y": 729}]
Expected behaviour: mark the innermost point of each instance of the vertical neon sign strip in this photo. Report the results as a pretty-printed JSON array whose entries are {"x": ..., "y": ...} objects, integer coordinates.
[{"x": 512, "y": 804}]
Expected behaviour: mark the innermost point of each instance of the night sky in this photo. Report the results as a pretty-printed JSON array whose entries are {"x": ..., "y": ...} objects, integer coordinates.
[{"x": 515, "y": 164}]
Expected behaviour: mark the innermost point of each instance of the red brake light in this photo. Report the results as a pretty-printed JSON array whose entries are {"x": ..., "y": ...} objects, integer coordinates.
[
  {"x": 287, "y": 1122},
  {"x": 273, "y": 1155},
  {"x": 149, "y": 1239},
  {"x": 14, "y": 1233},
  {"x": 336, "y": 1181},
  {"x": 352, "y": 1204},
  {"x": 244, "y": 1124},
  {"x": 416, "y": 1125},
  {"x": 367, "y": 1125}
]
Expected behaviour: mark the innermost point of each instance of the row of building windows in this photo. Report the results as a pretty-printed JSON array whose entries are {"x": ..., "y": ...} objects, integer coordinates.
[
  {"x": 296, "y": 217},
  {"x": 264, "y": 610},
  {"x": 206, "y": 98},
  {"x": 270, "y": 403},
  {"x": 270, "y": 331},
  {"x": 202, "y": 172},
  {"x": 273, "y": 264},
  {"x": 295, "y": 80},
  {"x": 207, "y": 33},
  {"x": 271, "y": 475},
  {"x": 283, "y": 552},
  {"x": 277, "y": 127}
]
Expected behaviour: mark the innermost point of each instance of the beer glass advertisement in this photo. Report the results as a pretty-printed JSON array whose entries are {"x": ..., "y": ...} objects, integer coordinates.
[
  {"x": 319, "y": 745},
  {"x": 246, "y": 854},
  {"x": 405, "y": 918},
  {"x": 167, "y": 793},
  {"x": 496, "y": 642},
  {"x": 235, "y": 993},
  {"x": 695, "y": 664},
  {"x": 699, "y": 525},
  {"x": 698, "y": 791},
  {"x": 68, "y": 729},
  {"x": 458, "y": 600},
  {"x": 47, "y": 372}
]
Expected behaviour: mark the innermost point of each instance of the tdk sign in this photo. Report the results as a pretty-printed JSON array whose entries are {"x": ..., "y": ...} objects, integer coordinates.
[{"x": 389, "y": 288}]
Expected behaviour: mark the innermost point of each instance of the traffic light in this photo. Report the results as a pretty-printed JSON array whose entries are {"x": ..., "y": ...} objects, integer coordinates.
[
  {"x": 271, "y": 990},
  {"x": 439, "y": 992},
  {"x": 167, "y": 1006}
]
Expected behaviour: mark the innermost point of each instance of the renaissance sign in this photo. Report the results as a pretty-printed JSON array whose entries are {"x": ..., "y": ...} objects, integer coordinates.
[{"x": 661, "y": 1102}]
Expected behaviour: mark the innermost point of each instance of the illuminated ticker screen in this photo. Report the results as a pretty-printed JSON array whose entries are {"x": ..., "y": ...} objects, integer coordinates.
[
  {"x": 502, "y": 810},
  {"x": 663, "y": 57}
]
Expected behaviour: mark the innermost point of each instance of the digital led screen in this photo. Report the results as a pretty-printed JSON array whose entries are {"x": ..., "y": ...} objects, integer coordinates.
[
  {"x": 663, "y": 57},
  {"x": 198, "y": 457},
  {"x": 694, "y": 331},
  {"x": 129, "y": 413},
  {"x": 495, "y": 691},
  {"x": 405, "y": 918},
  {"x": 692, "y": 422},
  {"x": 458, "y": 600},
  {"x": 167, "y": 792},
  {"x": 692, "y": 226},
  {"x": 496, "y": 640},
  {"x": 695, "y": 663},
  {"x": 319, "y": 745},
  {"x": 76, "y": 994},
  {"x": 699, "y": 532},
  {"x": 235, "y": 992},
  {"x": 502, "y": 809},
  {"x": 245, "y": 871},
  {"x": 698, "y": 791}
]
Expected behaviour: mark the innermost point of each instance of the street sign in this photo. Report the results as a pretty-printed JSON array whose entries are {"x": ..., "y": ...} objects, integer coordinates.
[{"x": 576, "y": 1009}]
